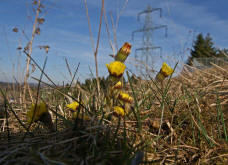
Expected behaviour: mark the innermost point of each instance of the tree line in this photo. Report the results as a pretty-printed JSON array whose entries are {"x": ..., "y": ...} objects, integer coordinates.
[{"x": 203, "y": 47}]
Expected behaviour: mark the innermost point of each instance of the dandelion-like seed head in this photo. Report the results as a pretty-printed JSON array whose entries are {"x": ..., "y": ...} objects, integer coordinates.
[
  {"x": 118, "y": 110},
  {"x": 116, "y": 68},
  {"x": 74, "y": 105}
]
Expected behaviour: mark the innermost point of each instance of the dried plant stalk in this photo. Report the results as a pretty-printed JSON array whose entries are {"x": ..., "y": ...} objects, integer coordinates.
[{"x": 30, "y": 52}]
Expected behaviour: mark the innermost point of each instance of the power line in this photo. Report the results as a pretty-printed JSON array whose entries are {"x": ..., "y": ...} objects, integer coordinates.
[{"x": 148, "y": 46}]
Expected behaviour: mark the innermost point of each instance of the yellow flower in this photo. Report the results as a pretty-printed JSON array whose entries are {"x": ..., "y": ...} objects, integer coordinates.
[
  {"x": 164, "y": 72},
  {"x": 125, "y": 97},
  {"x": 119, "y": 110},
  {"x": 166, "y": 69},
  {"x": 118, "y": 85},
  {"x": 36, "y": 111},
  {"x": 74, "y": 105},
  {"x": 116, "y": 68},
  {"x": 123, "y": 52}
]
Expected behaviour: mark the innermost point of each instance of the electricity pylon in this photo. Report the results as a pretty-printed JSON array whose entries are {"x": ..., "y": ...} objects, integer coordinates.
[{"x": 148, "y": 47}]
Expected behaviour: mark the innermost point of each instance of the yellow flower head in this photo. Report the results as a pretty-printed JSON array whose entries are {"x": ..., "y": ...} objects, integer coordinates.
[
  {"x": 119, "y": 110},
  {"x": 125, "y": 97},
  {"x": 118, "y": 85},
  {"x": 166, "y": 70},
  {"x": 116, "y": 68},
  {"x": 123, "y": 52},
  {"x": 74, "y": 105},
  {"x": 36, "y": 111}
]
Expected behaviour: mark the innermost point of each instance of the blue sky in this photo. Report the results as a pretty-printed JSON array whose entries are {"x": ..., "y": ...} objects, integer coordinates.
[{"x": 66, "y": 31}]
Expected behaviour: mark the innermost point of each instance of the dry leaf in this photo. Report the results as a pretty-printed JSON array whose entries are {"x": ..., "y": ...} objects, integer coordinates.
[
  {"x": 19, "y": 48},
  {"x": 47, "y": 48},
  {"x": 40, "y": 20},
  {"x": 37, "y": 31},
  {"x": 15, "y": 29}
]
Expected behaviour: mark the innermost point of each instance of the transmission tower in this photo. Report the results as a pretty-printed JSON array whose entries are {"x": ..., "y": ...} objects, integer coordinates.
[{"x": 147, "y": 50}]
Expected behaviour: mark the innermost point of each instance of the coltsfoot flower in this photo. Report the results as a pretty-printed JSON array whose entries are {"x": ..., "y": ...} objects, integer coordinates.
[
  {"x": 123, "y": 53},
  {"x": 166, "y": 69},
  {"x": 118, "y": 110},
  {"x": 164, "y": 72},
  {"x": 116, "y": 69},
  {"x": 118, "y": 85},
  {"x": 125, "y": 97},
  {"x": 36, "y": 111},
  {"x": 74, "y": 105},
  {"x": 40, "y": 113}
]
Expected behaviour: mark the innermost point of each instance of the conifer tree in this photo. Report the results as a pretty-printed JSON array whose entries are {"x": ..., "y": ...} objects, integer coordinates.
[{"x": 202, "y": 48}]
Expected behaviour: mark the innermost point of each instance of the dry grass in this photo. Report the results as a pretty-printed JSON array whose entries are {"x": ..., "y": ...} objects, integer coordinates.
[
  {"x": 194, "y": 128},
  {"x": 182, "y": 121}
]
